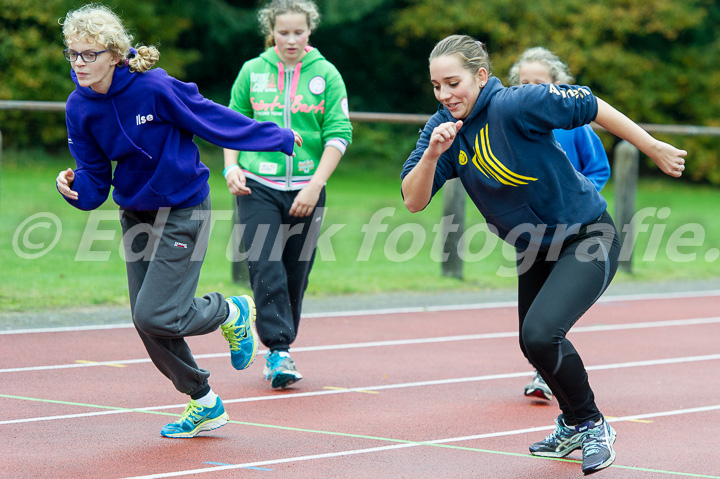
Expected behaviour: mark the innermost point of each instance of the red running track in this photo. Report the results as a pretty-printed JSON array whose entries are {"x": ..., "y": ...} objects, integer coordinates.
[{"x": 435, "y": 394}]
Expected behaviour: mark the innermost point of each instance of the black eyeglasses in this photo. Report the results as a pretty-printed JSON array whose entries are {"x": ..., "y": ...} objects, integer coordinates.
[{"x": 87, "y": 57}]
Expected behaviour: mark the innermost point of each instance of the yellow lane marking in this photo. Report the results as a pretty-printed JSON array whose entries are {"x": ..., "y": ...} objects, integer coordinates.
[
  {"x": 345, "y": 389},
  {"x": 631, "y": 420},
  {"x": 82, "y": 361}
]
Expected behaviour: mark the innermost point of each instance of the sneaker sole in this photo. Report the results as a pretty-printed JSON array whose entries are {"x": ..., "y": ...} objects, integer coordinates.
[
  {"x": 538, "y": 394},
  {"x": 562, "y": 453},
  {"x": 283, "y": 380},
  {"x": 253, "y": 317},
  {"x": 206, "y": 426}
]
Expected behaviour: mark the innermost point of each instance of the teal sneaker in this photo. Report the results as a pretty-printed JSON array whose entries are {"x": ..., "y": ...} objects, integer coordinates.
[
  {"x": 280, "y": 370},
  {"x": 241, "y": 334},
  {"x": 197, "y": 419},
  {"x": 597, "y": 448},
  {"x": 561, "y": 442}
]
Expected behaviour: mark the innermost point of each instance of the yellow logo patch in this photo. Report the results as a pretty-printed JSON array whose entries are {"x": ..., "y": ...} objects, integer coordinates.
[{"x": 462, "y": 158}]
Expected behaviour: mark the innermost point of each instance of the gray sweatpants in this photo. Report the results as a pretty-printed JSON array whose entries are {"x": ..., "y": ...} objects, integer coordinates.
[{"x": 164, "y": 251}]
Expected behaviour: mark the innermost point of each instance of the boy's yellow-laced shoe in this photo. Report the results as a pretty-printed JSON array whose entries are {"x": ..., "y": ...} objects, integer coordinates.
[
  {"x": 241, "y": 333},
  {"x": 196, "y": 419}
]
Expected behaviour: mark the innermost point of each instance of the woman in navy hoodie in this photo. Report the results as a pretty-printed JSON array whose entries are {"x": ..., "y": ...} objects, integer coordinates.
[
  {"x": 132, "y": 128},
  {"x": 499, "y": 142},
  {"x": 581, "y": 145}
]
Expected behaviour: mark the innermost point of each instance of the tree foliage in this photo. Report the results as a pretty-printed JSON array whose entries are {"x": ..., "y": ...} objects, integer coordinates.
[{"x": 32, "y": 67}]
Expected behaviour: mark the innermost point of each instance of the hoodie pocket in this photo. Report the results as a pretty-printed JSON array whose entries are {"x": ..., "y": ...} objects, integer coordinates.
[
  {"x": 133, "y": 190},
  {"x": 521, "y": 228}
]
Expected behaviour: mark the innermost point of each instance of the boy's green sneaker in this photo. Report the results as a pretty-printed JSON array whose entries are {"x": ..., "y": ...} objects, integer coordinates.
[
  {"x": 197, "y": 419},
  {"x": 241, "y": 334}
]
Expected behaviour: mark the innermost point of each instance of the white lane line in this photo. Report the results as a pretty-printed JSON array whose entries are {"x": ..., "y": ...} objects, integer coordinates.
[
  {"x": 416, "y": 309},
  {"x": 394, "y": 342},
  {"x": 326, "y": 392},
  {"x": 67, "y": 329},
  {"x": 507, "y": 304},
  {"x": 405, "y": 444}
]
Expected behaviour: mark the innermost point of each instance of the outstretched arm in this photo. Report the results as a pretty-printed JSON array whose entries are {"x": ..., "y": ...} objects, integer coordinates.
[{"x": 668, "y": 158}]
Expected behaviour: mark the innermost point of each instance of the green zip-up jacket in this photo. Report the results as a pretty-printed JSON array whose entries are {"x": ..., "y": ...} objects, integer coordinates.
[{"x": 311, "y": 99}]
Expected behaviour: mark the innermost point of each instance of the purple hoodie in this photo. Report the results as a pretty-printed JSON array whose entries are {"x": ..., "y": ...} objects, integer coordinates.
[{"x": 146, "y": 123}]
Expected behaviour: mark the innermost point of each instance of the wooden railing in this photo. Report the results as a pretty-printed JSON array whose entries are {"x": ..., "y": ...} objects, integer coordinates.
[{"x": 625, "y": 177}]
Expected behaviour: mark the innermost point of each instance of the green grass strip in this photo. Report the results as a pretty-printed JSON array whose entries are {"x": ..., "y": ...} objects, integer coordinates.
[
  {"x": 94, "y": 406},
  {"x": 361, "y": 436}
]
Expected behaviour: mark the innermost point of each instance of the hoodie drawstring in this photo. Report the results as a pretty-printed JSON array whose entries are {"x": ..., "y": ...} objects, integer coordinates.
[
  {"x": 296, "y": 75},
  {"x": 281, "y": 76},
  {"x": 295, "y": 80},
  {"x": 117, "y": 117}
]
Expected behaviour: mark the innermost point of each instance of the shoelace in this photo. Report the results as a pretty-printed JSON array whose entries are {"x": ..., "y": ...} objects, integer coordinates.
[
  {"x": 274, "y": 362},
  {"x": 191, "y": 410},
  {"x": 556, "y": 435},
  {"x": 232, "y": 337},
  {"x": 594, "y": 441}
]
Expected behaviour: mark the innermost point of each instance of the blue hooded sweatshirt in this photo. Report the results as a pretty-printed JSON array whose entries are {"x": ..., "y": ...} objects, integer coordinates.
[
  {"x": 512, "y": 167},
  {"x": 146, "y": 123},
  {"x": 585, "y": 151}
]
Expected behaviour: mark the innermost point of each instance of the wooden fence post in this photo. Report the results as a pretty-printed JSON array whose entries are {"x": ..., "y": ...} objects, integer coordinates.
[
  {"x": 454, "y": 206},
  {"x": 625, "y": 175},
  {"x": 1, "y": 153}
]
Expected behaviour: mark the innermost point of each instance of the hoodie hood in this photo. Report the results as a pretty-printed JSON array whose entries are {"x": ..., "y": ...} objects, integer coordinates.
[
  {"x": 122, "y": 77},
  {"x": 271, "y": 56},
  {"x": 493, "y": 86},
  {"x": 313, "y": 54}
]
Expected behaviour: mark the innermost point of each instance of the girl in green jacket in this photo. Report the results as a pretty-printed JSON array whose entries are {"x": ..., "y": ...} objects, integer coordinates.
[{"x": 280, "y": 198}]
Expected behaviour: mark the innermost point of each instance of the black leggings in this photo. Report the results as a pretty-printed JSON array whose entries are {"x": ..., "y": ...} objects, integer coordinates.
[{"x": 553, "y": 294}]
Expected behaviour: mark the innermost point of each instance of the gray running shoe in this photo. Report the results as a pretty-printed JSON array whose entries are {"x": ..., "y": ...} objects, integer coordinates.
[
  {"x": 597, "y": 448},
  {"x": 561, "y": 442},
  {"x": 538, "y": 388}
]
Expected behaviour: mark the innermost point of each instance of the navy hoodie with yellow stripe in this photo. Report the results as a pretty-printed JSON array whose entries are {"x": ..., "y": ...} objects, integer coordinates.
[
  {"x": 145, "y": 124},
  {"x": 511, "y": 166}
]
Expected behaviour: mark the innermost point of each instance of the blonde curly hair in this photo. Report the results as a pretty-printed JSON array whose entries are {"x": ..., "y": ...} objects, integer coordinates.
[
  {"x": 559, "y": 71},
  {"x": 96, "y": 23}
]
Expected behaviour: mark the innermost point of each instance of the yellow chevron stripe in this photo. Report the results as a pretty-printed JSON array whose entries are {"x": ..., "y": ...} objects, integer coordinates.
[
  {"x": 498, "y": 173},
  {"x": 478, "y": 166},
  {"x": 515, "y": 177},
  {"x": 483, "y": 161}
]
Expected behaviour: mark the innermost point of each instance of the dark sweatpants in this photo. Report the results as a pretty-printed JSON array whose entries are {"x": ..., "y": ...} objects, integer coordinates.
[
  {"x": 164, "y": 251},
  {"x": 280, "y": 252},
  {"x": 552, "y": 295}
]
